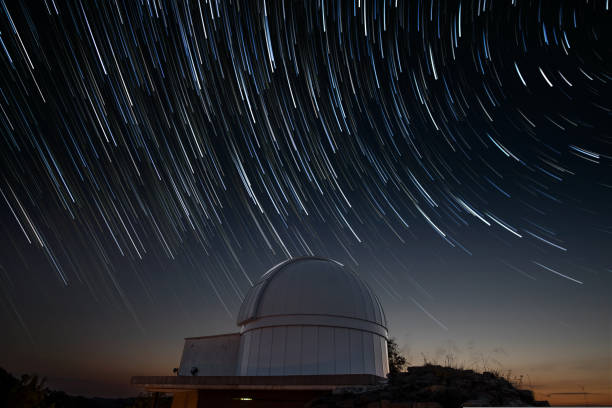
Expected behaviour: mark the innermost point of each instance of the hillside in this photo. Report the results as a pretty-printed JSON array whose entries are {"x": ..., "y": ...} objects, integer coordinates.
[{"x": 434, "y": 386}]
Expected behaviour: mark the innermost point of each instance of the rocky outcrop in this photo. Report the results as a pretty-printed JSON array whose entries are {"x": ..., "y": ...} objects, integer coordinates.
[{"x": 433, "y": 386}]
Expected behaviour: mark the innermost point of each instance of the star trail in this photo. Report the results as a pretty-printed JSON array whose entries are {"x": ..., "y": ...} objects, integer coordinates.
[{"x": 222, "y": 134}]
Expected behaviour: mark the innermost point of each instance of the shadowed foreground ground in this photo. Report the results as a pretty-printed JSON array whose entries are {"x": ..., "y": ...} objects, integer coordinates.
[
  {"x": 434, "y": 386},
  {"x": 428, "y": 386},
  {"x": 29, "y": 391}
]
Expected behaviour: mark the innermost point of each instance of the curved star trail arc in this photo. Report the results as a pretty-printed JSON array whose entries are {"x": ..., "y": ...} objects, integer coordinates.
[{"x": 270, "y": 128}]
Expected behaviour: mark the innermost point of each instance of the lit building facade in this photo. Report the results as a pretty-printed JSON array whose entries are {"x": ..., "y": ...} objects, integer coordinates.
[{"x": 307, "y": 326}]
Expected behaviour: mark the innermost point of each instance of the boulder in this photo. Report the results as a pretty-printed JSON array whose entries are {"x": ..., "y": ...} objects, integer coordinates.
[{"x": 432, "y": 386}]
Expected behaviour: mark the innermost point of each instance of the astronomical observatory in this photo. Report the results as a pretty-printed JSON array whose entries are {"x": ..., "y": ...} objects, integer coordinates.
[{"x": 307, "y": 326}]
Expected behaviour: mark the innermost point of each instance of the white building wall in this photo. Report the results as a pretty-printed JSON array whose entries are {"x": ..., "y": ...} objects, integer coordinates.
[
  {"x": 212, "y": 355},
  {"x": 311, "y": 286},
  {"x": 311, "y": 350},
  {"x": 306, "y": 316}
]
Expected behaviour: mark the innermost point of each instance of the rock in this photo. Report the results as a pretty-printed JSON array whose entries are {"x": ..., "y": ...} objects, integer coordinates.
[
  {"x": 436, "y": 388},
  {"x": 432, "y": 386},
  {"x": 365, "y": 399},
  {"x": 525, "y": 394},
  {"x": 515, "y": 403},
  {"x": 427, "y": 404},
  {"x": 402, "y": 405},
  {"x": 477, "y": 403}
]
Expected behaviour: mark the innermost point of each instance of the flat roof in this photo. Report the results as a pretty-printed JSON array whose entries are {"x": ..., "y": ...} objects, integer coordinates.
[
  {"x": 213, "y": 336},
  {"x": 271, "y": 382}
]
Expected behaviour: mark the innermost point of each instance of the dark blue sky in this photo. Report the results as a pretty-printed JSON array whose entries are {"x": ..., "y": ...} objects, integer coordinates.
[{"x": 156, "y": 158}]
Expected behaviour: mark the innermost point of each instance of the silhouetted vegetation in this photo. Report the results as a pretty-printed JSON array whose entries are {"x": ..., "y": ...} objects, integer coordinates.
[
  {"x": 434, "y": 386},
  {"x": 29, "y": 391},
  {"x": 397, "y": 362}
]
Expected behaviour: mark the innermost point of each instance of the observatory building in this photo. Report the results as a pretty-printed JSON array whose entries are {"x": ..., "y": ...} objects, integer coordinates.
[{"x": 307, "y": 326}]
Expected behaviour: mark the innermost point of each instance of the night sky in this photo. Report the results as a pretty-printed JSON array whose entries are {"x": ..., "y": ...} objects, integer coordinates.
[{"x": 158, "y": 156}]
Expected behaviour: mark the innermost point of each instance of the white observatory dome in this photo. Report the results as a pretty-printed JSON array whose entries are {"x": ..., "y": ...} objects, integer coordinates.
[{"x": 312, "y": 316}]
